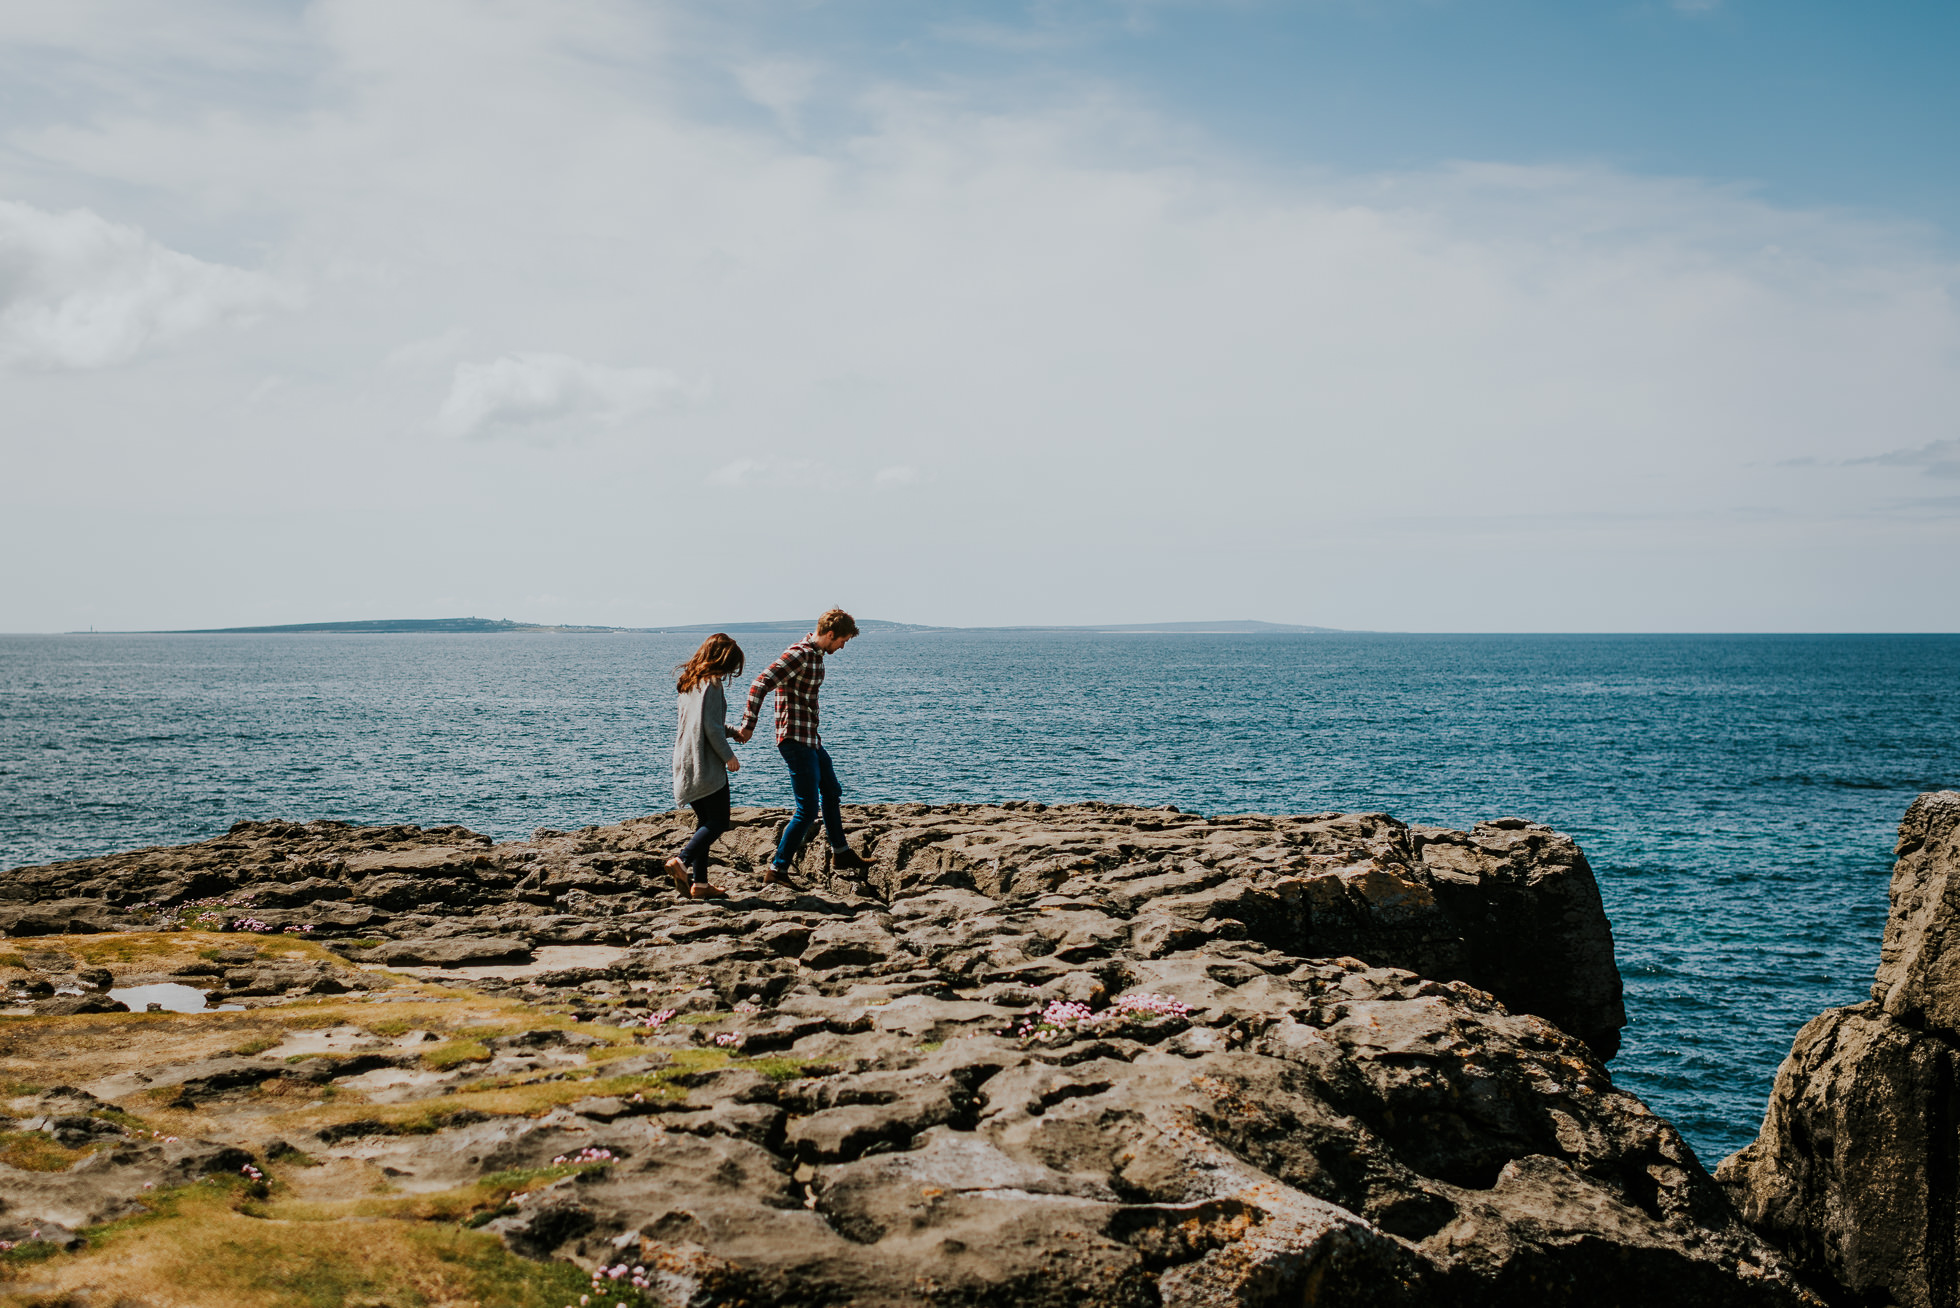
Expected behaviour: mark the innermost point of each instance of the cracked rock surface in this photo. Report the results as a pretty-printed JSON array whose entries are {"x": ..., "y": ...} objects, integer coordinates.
[
  {"x": 1074, "y": 1055},
  {"x": 1510, "y": 906}
]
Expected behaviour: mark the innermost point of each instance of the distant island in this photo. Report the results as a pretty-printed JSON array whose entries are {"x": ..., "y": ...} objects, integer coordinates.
[
  {"x": 383, "y": 626},
  {"x": 409, "y": 626}
]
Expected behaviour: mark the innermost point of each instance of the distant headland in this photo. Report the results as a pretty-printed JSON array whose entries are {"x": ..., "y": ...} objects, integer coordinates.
[{"x": 408, "y": 626}]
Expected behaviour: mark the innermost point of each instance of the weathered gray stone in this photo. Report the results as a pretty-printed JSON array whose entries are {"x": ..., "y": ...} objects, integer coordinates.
[
  {"x": 71, "y": 917},
  {"x": 451, "y": 953}
]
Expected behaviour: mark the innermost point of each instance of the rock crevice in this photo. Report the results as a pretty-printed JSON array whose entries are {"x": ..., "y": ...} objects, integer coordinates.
[{"x": 1856, "y": 1170}]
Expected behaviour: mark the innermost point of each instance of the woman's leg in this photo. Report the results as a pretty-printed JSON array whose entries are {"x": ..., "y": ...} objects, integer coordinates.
[{"x": 711, "y": 811}]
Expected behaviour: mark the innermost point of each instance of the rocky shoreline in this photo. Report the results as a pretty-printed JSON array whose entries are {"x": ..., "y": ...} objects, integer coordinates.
[{"x": 1076, "y": 1055}]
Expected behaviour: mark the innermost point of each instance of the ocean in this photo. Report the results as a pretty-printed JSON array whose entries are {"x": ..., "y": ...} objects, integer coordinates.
[{"x": 1737, "y": 795}]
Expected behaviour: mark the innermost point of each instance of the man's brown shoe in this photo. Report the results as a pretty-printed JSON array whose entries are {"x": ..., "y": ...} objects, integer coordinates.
[{"x": 846, "y": 859}]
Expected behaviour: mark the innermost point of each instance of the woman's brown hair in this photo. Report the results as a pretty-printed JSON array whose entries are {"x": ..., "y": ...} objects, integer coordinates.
[{"x": 719, "y": 656}]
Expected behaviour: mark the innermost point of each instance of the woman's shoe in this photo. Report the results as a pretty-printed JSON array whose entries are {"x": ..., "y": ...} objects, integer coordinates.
[
  {"x": 702, "y": 890},
  {"x": 778, "y": 876},
  {"x": 678, "y": 871},
  {"x": 846, "y": 859}
]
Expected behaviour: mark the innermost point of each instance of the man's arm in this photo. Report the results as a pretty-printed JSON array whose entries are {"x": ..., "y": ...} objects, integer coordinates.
[{"x": 767, "y": 680}]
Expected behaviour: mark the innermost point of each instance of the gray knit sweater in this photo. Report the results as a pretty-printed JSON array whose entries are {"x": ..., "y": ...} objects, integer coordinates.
[{"x": 701, "y": 749}]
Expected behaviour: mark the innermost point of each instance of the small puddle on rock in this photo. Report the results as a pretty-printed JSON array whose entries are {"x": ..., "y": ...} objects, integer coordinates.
[{"x": 169, "y": 996}]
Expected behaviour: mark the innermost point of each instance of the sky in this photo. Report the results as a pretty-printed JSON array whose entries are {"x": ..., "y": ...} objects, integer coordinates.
[{"x": 1432, "y": 315}]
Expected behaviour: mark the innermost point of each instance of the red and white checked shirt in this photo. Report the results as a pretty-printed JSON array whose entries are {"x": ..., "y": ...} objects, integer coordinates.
[{"x": 794, "y": 676}]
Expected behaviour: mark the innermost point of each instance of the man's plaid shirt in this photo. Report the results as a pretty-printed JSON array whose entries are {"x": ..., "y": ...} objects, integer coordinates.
[{"x": 794, "y": 676}]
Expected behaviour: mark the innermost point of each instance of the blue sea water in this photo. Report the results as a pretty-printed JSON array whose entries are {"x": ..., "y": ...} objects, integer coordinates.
[{"x": 1737, "y": 795}]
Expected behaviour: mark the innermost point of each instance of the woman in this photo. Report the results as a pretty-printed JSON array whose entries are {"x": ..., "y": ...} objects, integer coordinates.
[{"x": 703, "y": 758}]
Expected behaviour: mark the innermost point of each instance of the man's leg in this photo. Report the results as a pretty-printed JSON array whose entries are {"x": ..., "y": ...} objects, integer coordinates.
[
  {"x": 842, "y": 857},
  {"x": 833, "y": 796},
  {"x": 803, "y": 783}
]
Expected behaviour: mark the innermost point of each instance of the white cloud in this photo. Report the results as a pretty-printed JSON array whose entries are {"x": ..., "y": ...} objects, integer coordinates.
[
  {"x": 430, "y": 350},
  {"x": 901, "y": 474},
  {"x": 78, "y": 291},
  {"x": 782, "y": 86},
  {"x": 537, "y": 394},
  {"x": 736, "y": 471},
  {"x": 805, "y": 474},
  {"x": 1935, "y": 459}
]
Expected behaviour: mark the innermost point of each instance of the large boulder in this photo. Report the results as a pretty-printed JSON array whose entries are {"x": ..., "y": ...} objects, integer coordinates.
[
  {"x": 1856, "y": 1170},
  {"x": 67, "y": 917}
]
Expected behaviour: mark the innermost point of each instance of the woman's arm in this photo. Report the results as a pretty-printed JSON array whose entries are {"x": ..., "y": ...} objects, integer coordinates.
[{"x": 714, "y": 723}]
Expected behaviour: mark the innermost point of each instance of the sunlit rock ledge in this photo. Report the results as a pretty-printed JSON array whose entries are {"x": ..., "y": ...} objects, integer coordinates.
[{"x": 1081, "y": 1054}]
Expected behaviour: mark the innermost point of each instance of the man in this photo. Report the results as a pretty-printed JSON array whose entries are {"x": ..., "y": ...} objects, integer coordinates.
[{"x": 795, "y": 677}]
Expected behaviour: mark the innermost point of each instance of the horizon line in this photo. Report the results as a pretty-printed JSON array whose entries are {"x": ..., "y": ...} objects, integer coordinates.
[{"x": 1219, "y": 627}]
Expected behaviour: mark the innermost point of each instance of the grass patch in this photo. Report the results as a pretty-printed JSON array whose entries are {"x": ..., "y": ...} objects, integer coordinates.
[
  {"x": 13, "y": 960},
  {"x": 128, "y": 1121},
  {"x": 310, "y": 1021},
  {"x": 512, "y": 1098},
  {"x": 112, "y": 947},
  {"x": 471, "y": 1204},
  {"x": 256, "y": 1045},
  {"x": 600, "y": 1054},
  {"x": 33, "y": 1151},
  {"x": 200, "y": 1237},
  {"x": 455, "y": 1053},
  {"x": 389, "y": 1026},
  {"x": 783, "y": 1069},
  {"x": 21, "y": 1256}
]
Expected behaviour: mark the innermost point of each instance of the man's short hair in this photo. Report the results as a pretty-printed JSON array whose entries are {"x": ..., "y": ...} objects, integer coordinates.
[{"x": 837, "y": 623}]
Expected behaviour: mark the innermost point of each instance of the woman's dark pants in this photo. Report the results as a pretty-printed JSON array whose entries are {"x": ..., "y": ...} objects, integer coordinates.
[
  {"x": 811, "y": 779},
  {"x": 711, "y": 811}
]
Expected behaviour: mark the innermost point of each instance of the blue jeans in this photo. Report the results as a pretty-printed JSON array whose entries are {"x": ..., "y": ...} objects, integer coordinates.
[
  {"x": 711, "y": 812},
  {"x": 810, "y": 777}
]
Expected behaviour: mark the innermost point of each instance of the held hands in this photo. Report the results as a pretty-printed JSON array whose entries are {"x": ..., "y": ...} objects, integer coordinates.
[{"x": 742, "y": 736}]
